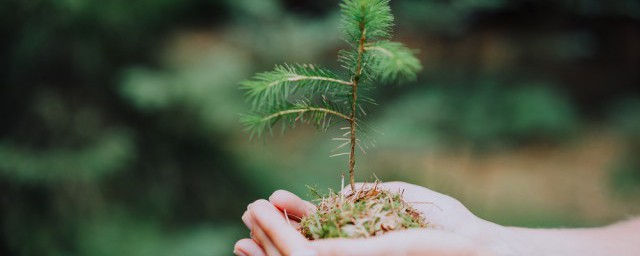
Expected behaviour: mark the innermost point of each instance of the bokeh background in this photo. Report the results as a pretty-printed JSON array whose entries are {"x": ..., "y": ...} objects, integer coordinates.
[{"x": 119, "y": 130}]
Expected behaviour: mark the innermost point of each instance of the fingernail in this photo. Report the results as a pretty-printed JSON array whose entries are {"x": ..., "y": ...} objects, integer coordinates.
[
  {"x": 239, "y": 253},
  {"x": 304, "y": 253},
  {"x": 247, "y": 221},
  {"x": 273, "y": 195}
]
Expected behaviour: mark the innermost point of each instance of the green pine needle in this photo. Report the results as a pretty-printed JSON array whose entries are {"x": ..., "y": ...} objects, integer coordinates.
[{"x": 394, "y": 61}]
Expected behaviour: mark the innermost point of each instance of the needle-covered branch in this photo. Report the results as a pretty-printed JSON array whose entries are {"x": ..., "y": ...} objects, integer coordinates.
[
  {"x": 273, "y": 88},
  {"x": 393, "y": 61},
  {"x": 322, "y": 117}
]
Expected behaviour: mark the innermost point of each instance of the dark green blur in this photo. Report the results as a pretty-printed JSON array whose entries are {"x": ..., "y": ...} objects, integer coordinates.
[{"x": 119, "y": 130}]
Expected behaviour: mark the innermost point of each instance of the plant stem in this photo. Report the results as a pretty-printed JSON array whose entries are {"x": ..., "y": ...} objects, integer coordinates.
[{"x": 354, "y": 99}]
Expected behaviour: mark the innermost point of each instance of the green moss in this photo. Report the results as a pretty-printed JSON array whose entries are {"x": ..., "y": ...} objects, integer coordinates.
[{"x": 365, "y": 213}]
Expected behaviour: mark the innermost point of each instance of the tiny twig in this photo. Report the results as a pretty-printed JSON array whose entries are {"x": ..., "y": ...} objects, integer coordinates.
[
  {"x": 286, "y": 216},
  {"x": 339, "y": 154},
  {"x": 342, "y": 187},
  {"x": 431, "y": 203}
]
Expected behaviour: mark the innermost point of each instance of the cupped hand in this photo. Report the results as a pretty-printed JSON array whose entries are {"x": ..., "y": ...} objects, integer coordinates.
[{"x": 453, "y": 230}]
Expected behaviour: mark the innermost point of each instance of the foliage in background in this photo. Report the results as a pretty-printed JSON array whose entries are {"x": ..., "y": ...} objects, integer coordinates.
[
  {"x": 493, "y": 115},
  {"x": 625, "y": 118}
]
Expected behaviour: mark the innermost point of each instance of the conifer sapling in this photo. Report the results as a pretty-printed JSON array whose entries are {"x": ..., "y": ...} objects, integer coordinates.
[{"x": 311, "y": 94}]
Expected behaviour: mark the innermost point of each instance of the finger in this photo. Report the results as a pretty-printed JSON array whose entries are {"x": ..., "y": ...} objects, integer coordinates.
[
  {"x": 246, "y": 219},
  {"x": 257, "y": 235},
  {"x": 294, "y": 205},
  {"x": 263, "y": 240},
  {"x": 270, "y": 220},
  {"x": 248, "y": 247}
]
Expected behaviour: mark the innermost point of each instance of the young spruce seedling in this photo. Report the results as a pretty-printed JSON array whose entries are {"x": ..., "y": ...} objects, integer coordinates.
[{"x": 315, "y": 95}]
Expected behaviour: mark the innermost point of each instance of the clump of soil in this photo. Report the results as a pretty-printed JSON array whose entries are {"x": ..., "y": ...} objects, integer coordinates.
[{"x": 364, "y": 213}]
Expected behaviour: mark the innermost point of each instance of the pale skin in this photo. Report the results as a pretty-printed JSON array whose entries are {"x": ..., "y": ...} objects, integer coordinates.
[{"x": 455, "y": 231}]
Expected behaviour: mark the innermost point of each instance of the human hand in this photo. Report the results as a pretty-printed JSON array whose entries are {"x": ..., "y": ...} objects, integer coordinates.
[{"x": 453, "y": 229}]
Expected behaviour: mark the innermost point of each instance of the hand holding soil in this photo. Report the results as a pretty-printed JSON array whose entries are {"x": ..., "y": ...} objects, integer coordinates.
[{"x": 452, "y": 230}]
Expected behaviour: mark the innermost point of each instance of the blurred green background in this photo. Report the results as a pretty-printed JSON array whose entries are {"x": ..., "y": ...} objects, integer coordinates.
[{"x": 119, "y": 130}]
